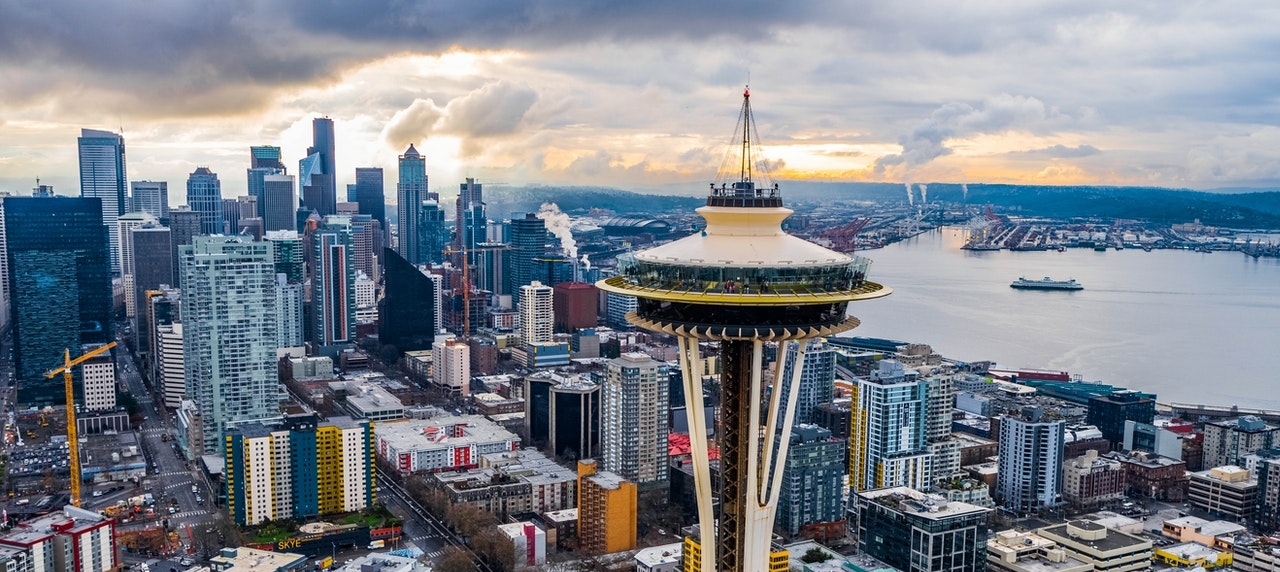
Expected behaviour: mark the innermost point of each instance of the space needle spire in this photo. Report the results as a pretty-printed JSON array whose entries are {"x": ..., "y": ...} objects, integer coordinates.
[{"x": 742, "y": 283}]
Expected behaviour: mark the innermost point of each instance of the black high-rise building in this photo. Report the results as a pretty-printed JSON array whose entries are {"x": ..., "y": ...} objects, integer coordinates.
[
  {"x": 152, "y": 267},
  {"x": 316, "y": 172},
  {"x": 528, "y": 241},
  {"x": 1109, "y": 412},
  {"x": 562, "y": 415},
  {"x": 185, "y": 225},
  {"x": 60, "y": 287},
  {"x": 407, "y": 312},
  {"x": 370, "y": 193}
]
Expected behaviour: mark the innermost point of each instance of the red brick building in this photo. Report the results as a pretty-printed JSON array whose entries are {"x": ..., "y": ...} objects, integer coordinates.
[
  {"x": 1151, "y": 476},
  {"x": 574, "y": 305}
]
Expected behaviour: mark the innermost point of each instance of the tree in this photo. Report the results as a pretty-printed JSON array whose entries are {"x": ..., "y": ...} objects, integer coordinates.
[
  {"x": 454, "y": 559},
  {"x": 815, "y": 555},
  {"x": 495, "y": 549}
]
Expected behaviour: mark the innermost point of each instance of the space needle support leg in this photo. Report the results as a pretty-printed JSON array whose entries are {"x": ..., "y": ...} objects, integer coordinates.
[{"x": 695, "y": 412}]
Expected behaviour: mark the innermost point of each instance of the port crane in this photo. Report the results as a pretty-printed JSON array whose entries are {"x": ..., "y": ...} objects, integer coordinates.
[
  {"x": 466, "y": 280},
  {"x": 73, "y": 441},
  {"x": 843, "y": 237}
]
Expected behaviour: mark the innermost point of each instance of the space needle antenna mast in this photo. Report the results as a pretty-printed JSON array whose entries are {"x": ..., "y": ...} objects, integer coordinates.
[{"x": 742, "y": 282}]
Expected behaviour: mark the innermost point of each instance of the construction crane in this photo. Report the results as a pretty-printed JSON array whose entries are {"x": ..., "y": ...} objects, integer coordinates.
[
  {"x": 466, "y": 280},
  {"x": 73, "y": 440}
]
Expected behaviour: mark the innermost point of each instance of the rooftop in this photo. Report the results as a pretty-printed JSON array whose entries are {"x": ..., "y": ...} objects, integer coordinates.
[
  {"x": 910, "y": 501},
  {"x": 434, "y": 433},
  {"x": 1093, "y": 535},
  {"x": 1191, "y": 551},
  {"x": 245, "y": 559},
  {"x": 665, "y": 554}
]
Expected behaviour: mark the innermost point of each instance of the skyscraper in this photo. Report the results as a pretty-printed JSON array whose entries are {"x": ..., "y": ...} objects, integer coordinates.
[
  {"x": 1029, "y": 475},
  {"x": 264, "y": 161},
  {"x": 634, "y": 408},
  {"x": 152, "y": 267},
  {"x": 151, "y": 197},
  {"x": 407, "y": 314},
  {"x": 888, "y": 444},
  {"x": 370, "y": 194},
  {"x": 286, "y": 253},
  {"x": 915, "y": 532},
  {"x": 316, "y": 173},
  {"x": 60, "y": 287},
  {"x": 333, "y": 304},
  {"x": 125, "y": 223},
  {"x": 813, "y": 481},
  {"x": 528, "y": 241},
  {"x": 537, "y": 317},
  {"x": 229, "y": 334},
  {"x": 290, "y": 312},
  {"x": 102, "y": 176},
  {"x": 817, "y": 379},
  {"x": 410, "y": 192},
  {"x": 204, "y": 195},
  {"x": 185, "y": 224},
  {"x": 433, "y": 233},
  {"x": 471, "y": 220},
  {"x": 279, "y": 204},
  {"x": 366, "y": 243}
]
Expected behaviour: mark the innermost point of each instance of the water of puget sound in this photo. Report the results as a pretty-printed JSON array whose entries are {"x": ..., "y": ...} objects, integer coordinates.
[{"x": 1190, "y": 327}]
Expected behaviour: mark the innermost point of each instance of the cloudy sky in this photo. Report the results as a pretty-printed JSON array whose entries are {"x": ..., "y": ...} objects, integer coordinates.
[{"x": 644, "y": 94}]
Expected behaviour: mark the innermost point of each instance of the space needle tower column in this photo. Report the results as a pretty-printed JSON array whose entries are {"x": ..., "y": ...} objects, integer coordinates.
[{"x": 743, "y": 282}]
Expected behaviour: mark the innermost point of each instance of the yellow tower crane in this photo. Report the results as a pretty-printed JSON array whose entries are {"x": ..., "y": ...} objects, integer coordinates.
[{"x": 72, "y": 440}]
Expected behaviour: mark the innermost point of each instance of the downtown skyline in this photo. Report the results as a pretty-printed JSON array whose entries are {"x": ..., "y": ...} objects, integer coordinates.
[{"x": 633, "y": 96}]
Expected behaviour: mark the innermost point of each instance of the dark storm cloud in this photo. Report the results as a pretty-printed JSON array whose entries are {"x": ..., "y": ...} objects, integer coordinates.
[{"x": 174, "y": 57}]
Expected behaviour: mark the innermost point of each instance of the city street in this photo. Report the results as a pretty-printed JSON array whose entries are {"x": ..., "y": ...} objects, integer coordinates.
[{"x": 169, "y": 475}]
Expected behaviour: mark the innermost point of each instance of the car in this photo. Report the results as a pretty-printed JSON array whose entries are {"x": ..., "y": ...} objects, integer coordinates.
[{"x": 97, "y": 493}]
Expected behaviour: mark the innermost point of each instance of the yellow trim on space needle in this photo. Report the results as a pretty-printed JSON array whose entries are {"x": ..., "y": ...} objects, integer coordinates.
[{"x": 774, "y": 297}]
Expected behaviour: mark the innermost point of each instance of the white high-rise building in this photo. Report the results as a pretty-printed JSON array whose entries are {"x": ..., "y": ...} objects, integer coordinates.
[
  {"x": 888, "y": 445},
  {"x": 98, "y": 378},
  {"x": 289, "y": 333},
  {"x": 169, "y": 356},
  {"x": 451, "y": 366},
  {"x": 633, "y": 418},
  {"x": 229, "y": 333},
  {"x": 537, "y": 318},
  {"x": 124, "y": 249},
  {"x": 366, "y": 299},
  {"x": 1029, "y": 474},
  {"x": 102, "y": 176},
  {"x": 4, "y": 270},
  {"x": 151, "y": 197},
  {"x": 817, "y": 379},
  {"x": 438, "y": 282}
]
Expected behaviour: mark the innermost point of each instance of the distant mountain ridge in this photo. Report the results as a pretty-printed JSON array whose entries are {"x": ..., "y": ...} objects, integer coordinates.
[{"x": 1238, "y": 210}]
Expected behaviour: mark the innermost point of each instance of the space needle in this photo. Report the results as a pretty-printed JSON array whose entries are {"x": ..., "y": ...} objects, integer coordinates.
[{"x": 743, "y": 282}]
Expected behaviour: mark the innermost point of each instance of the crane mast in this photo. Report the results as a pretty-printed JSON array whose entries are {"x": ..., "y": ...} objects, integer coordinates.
[{"x": 73, "y": 440}]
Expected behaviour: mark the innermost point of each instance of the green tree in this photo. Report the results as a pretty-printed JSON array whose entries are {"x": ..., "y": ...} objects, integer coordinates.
[{"x": 815, "y": 555}]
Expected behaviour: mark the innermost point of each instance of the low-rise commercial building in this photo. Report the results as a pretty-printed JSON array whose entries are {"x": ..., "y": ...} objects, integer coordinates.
[
  {"x": 1228, "y": 492},
  {"x": 245, "y": 559},
  {"x": 1153, "y": 477},
  {"x": 1189, "y": 554},
  {"x": 665, "y": 558},
  {"x": 1014, "y": 551},
  {"x": 1102, "y": 548}
]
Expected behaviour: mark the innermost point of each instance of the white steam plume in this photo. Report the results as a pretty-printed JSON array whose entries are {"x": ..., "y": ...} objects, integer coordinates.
[
  {"x": 586, "y": 262},
  {"x": 964, "y": 191},
  {"x": 558, "y": 224},
  {"x": 911, "y": 198},
  {"x": 924, "y": 193}
]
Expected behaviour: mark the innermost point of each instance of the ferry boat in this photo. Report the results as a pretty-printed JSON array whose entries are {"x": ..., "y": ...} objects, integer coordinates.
[{"x": 1047, "y": 284}]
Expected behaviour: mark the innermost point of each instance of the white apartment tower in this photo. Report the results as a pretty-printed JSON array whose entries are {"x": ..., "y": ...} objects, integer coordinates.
[
  {"x": 229, "y": 333},
  {"x": 451, "y": 366},
  {"x": 537, "y": 320},
  {"x": 633, "y": 418},
  {"x": 1029, "y": 474},
  {"x": 169, "y": 356}
]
